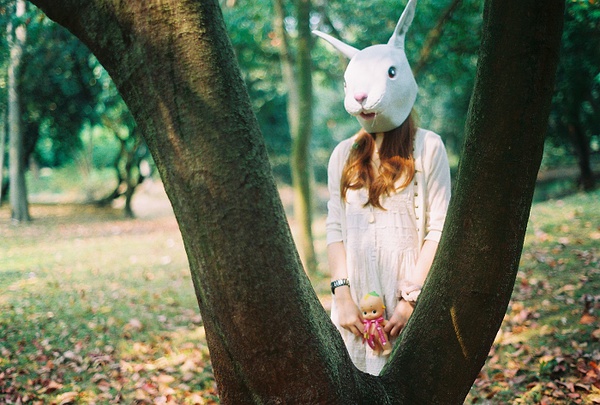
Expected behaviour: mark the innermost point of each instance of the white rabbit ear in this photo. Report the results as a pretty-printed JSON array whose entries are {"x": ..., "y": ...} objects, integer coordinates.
[
  {"x": 345, "y": 49},
  {"x": 397, "y": 39}
]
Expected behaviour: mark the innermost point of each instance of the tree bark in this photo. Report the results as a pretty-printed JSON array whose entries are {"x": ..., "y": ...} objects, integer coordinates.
[
  {"x": 17, "y": 162},
  {"x": 297, "y": 76},
  {"x": 469, "y": 286},
  {"x": 270, "y": 339}
]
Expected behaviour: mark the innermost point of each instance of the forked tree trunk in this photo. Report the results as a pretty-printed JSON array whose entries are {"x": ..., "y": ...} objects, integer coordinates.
[
  {"x": 270, "y": 340},
  {"x": 16, "y": 160}
]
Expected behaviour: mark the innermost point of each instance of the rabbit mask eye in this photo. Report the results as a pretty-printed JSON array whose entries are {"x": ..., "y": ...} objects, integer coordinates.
[{"x": 392, "y": 72}]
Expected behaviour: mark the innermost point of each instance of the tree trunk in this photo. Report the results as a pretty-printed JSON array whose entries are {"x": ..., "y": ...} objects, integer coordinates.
[
  {"x": 17, "y": 161},
  {"x": 472, "y": 278},
  {"x": 581, "y": 143},
  {"x": 298, "y": 82},
  {"x": 270, "y": 339},
  {"x": 2, "y": 148}
]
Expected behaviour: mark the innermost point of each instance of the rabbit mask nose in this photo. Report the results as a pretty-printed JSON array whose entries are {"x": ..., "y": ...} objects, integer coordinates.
[{"x": 360, "y": 97}]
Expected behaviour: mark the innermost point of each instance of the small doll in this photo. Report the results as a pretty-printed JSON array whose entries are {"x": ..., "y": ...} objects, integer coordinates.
[{"x": 372, "y": 309}]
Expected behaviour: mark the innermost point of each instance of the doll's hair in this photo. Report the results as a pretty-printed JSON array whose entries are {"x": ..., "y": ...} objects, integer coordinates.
[
  {"x": 372, "y": 293},
  {"x": 396, "y": 163}
]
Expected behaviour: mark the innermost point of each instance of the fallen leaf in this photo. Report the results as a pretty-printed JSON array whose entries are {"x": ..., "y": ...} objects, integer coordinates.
[
  {"x": 587, "y": 319},
  {"x": 568, "y": 385},
  {"x": 67, "y": 398},
  {"x": 584, "y": 387},
  {"x": 50, "y": 387},
  {"x": 165, "y": 379},
  {"x": 134, "y": 324}
]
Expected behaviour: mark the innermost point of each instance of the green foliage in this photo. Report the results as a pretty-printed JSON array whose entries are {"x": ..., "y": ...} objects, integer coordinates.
[
  {"x": 251, "y": 33},
  {"x": 576, "y": 102},
  {"x": 58, "y": 91},
  {"x": 65, "y": 93},
  {"x": 65, "y": 90}
]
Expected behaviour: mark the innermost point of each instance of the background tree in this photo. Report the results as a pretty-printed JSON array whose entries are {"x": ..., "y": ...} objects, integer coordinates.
[
  {"x": 63, "y": 108},
  {"x": 56, "y": 108},
  {"x": 2, "y": 147},
  {"x": 17, "y": 158},
  {"x": 4, "y": 59},
  {"x": 297, "y": 76},
  {"x": 575, "y": 117},
  {"x": 246, "y": 273},
  {"x": 131, "y": 165}
]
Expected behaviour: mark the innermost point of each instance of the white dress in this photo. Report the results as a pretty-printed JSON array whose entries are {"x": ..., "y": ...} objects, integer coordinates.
[{"x": 382, "y": 246}]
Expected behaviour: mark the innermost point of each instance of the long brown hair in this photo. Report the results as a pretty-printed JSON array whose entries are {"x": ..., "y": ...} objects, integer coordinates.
[{"x": 395, "y": 162}]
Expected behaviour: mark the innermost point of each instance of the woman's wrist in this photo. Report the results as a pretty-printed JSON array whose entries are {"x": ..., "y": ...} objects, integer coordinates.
[
  {"x": 408, "y": 291},
  {"x": 342, "y": 294}
]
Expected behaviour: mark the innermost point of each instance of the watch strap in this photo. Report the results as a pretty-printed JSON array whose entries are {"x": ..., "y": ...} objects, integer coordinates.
[{"x": 338, "y": 283}]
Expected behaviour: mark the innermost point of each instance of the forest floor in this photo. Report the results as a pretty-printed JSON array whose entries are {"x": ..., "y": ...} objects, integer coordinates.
[{"x": 96, "y": 308}]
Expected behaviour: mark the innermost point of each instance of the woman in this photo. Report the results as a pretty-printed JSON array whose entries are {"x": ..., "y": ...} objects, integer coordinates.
[
  {"x": 389, "y": 194},
  {"x": 389, "y": 190}
]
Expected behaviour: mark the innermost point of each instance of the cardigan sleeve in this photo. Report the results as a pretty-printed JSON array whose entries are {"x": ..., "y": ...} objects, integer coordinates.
[
  {"x": 335, "y": 205},
  {"x": 437, "y": 179}
]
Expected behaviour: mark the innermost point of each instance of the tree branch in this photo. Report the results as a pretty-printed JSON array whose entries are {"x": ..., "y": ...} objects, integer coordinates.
[{"x": 434, "y": 36}]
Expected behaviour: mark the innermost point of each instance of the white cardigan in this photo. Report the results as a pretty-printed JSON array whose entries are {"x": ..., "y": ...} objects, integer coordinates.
[{"x": 431, "y": 181}]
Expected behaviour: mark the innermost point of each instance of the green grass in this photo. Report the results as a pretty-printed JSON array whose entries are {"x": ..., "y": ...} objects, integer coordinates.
[
  {"x": 98, "y": 309},
  {"x": 70, "y": 183}
]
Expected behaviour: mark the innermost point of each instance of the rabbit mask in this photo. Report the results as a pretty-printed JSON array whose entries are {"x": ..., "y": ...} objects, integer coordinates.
[{"x": 379, "y": 85}]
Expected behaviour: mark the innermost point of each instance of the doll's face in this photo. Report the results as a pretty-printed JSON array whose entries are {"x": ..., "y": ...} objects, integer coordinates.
[{"x": 371, "y": 307}]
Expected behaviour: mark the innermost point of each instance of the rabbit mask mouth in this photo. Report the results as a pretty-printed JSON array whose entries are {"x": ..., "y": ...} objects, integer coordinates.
[{"x": 367, "y": 116}]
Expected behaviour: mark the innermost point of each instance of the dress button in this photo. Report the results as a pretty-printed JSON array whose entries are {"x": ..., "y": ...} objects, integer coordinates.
[{"x": 371, "y": 218}]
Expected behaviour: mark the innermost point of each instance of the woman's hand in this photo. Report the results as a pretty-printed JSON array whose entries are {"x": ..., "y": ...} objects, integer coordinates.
[
  {"x": 349, "y": 315},
  {"x": 398, "y": 320}
]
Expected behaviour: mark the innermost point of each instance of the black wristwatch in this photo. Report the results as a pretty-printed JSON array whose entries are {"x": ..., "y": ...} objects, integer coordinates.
[{"x": 338, "y": 283}]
